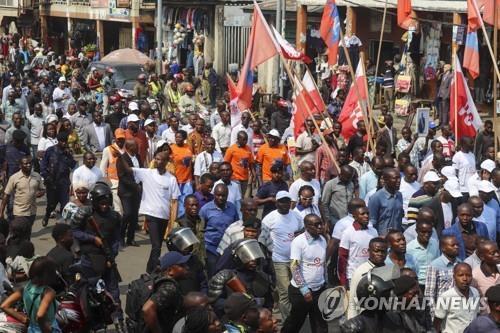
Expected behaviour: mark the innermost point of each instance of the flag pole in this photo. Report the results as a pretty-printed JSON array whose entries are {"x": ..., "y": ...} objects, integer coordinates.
[
  {"x": 371, "y": 126},
  {"x": 294, "y": 83},
  {"x": 379, "y": 51},
  {"x": 495, "y": 77},
  {"x": 356, "y": 89},
  {"x": 315, "y": 85},
  {"x": 456, "y": 22}
]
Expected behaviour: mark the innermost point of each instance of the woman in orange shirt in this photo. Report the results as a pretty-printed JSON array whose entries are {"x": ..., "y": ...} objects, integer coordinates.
[{"x": 182, "y": 156}]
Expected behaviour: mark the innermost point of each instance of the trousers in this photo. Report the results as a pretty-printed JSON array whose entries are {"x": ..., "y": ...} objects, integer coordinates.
[
  {"x": 157, "y": 228},
  {"x": 283, "y": 277},
  {"x": 130, "y": 205},
  {"x": 300, "y": 310},
  {"x": 58, "y": 194}
]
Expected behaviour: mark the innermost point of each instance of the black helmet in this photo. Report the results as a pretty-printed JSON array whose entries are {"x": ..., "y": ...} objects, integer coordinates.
[
  {"x": 75, "y": 215},
  {"x": 246, "y": 250},
  {"x": 377, "y": 283},
  {"x": 101, "y": 191},
  {"x": 180, "y": 239}
]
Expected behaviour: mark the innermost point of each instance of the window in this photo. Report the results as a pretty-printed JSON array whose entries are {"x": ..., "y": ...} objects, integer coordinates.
[{"x": 7, "y": 3}]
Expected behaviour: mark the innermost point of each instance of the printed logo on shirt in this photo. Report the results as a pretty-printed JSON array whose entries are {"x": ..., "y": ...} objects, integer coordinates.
[
  {"x": 317, "y": 261},
  {"x": 291, "y": 236},
  {"x": 186, "y": 161},
  {"x": 364, "y": 252},
  {"x": 244, "y": 162}
]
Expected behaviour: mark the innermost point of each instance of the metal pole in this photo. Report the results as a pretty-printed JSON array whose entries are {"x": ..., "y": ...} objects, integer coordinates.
[
  {"x": 159, "y": 36},
  {"x": 279, "y": 66}
]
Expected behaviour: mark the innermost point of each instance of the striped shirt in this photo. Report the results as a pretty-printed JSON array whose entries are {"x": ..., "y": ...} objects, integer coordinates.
[
  {"x": 232, "y": 234},
  {"x": 417, "y": 201}
]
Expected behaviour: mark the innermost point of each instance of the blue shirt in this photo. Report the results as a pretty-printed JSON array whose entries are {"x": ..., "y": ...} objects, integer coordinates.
[
  {"x": 216, "y": 222},
  {"x": 491, "y": 217},
  {"x": 270, "y": 189},
  {"x": 386, "y": 211},
  {"x": 409, "y": 261},
  {"x": 442, "y": 262},
  {"x": 202, "y": 199},
  {"x": 456, "y": 230},
  {"x": 367, "y": 182},
  {"x": 423, "y": 256}
]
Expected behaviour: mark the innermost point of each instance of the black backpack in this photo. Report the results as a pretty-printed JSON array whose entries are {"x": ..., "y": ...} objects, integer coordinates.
[{"x": 138, "y": 292}]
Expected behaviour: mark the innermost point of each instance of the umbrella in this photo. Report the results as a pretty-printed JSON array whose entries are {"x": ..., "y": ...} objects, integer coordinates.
[{"x": 127, "y": 56}]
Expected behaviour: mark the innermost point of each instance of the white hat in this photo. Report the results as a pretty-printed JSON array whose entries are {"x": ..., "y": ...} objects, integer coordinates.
[
  {"x": 449, "y": 172},
  {"x": 149, "y": 121},
  {"x": 282, "y": 195},
  {"x": 486, "y": 186},
  {"x": 133, "y": 106},
  {"x": 161, "y": 143},
  {"x": 453, "y": 187},
  {"x": 275, "y": 133},
  {"x": 431, "y": 176},
  {"x": 488, "y": 165},
  {"x": 62, "y": 79},
  {"x": 132, "y": 118},
  {"x": 51, "y": 118}
]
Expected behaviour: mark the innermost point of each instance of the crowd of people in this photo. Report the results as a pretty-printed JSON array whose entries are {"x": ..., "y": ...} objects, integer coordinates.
[{"x": 249, "y": 241}]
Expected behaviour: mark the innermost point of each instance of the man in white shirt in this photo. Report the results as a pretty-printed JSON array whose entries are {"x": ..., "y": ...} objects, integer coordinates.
[
  {"x": 158, "y": 203},
  {"x": 234, "y": 194},
  {"x": 206, "y": 158},
  {"x": 465, "y": 163},
  {"x": 154, "y": 141},
  {"x": 35, "y": 122},
  {"x": 61, "y": 95},
  {"x": 88, "y": 173},
  {"x": 307, "y": 174},
  {"x": 191, "y": 124},
  {"x": 457, "y": 307},
  {"x": 222, "y": 133},
  {"x": 243, "y": 126},
  {"x": 307, "y": 144},
  {"x": 408, "y": 187},
  {"x": 173, "y": 127},
  {"x": 279, "y": 228},
  {"x": 308, "y": 262}
]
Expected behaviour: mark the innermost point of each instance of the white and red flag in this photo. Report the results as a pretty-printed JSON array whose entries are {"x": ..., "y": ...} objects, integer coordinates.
[
  {"x": 352, "y": 111},
  {"x": 312, "y": 90},
  {"x": 303, "y": 102},
  {"x": 288, "y": 50},
  {"x": 233, "y": 102},
  {"x": 468, "y": 121}
]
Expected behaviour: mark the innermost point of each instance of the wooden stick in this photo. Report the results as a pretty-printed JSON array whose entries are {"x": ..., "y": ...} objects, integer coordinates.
[
  {"x": 456, "y": 19},
  {"x": 371, "y": 125},
  {"x": 495, "y": 77},
  {"x": 379, "y": 49}
]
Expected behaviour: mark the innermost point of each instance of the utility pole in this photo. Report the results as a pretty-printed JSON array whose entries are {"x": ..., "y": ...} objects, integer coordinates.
[
  {"x": 159, "y": 36},
  {"x": 279, "y": 66}
]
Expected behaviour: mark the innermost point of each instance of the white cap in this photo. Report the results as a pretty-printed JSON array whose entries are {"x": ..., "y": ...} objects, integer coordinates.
[
  {"x": 133, "y": 106},
  {"x": 431, "y": 176},
  {"x": 161, "y": 143},
  {"x": 282, "y": 195},
  {"x": 132, "y": 118},
  {"x": 62, "y": 79},
  {"x": 51, "y": 118},
  {"x": 275, "y": 133},
  {"x": 149, "y": 121},
  {"x": 449, "y": 172},
  {"x": 488, "y": 165},
  {"x": 453, "y": 187},
  {"x": 486, "y": 186}
]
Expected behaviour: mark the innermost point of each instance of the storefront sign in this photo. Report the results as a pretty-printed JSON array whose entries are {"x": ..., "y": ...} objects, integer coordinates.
[
  {"x": 99, "y": 3},
  {"x": 123, "y": 3},
  {"x": 114, "y": 11}
]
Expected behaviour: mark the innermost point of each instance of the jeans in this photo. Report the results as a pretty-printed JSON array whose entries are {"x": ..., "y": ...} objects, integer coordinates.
[
  {"x": 211, "y": 263},
  {"x": 130, "y": 220},
  {"x": 157, "y": 228},
  {"x": 283, "y": 277},
  {"x": 300, "y": 310},
  {"x": 58, "y": 194}
]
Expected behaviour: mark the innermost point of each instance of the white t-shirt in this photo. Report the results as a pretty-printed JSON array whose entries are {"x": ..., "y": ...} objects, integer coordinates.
[
  {"x": 281, "y": 230},
  {"x": 304, "y": 141},
  {"x": 234, "y": 191},
  {"x": 447, "y": 214},
  {"x": 159, "y": 190},
  {"x": 341, "y": 225},
  {"x": 460, "y": 311},
  {"x": 203, "y": 161},
  {"x": 296, "y": 185},
  {"x": 466, "y": 166},
  {"x": 311, "y": 254},
  {"x": 407, "y": 190},
  {"x": 168, "y": 135},
  {"x": 84, "y": 175},
  {"x": 356, "y": 242}
]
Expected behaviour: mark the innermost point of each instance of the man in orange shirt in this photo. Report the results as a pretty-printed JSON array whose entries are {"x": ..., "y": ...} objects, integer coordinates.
[
  {"x": 241, "y": 158},
  {"x": 183, "y": 161},
  {"x": 195, "y": 138},
  {"x": 270, "y": 153},
  {"x": 134, "y": 133}
]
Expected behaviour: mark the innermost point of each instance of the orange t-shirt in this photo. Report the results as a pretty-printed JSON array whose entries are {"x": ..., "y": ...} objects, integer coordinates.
[
  {"x": 241, "y": 159},
  {"x": 267, "y": 156},
  {"x": 183, "y": 161}
]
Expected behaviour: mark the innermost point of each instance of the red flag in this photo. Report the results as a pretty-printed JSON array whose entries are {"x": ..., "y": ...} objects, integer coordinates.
[
  {"x": 315, "y": 96},
  {"x": 488, "y": 9},
  {"x": 468, "y": 120},
  {"x": 261, "y": 47},
  {"x": 288, "y": 51},
  {"x": 471, "y": 54},
  {"x": 233, "y": 102},
  {"x": 329, "y": 30},
  {"x": 352, "y": 111},
  {"x": 406, "y": 14},
  {"x": 473, "y": 15},
  {"x": 233, "y": 91},
  {"x": 303, "y": 101}
]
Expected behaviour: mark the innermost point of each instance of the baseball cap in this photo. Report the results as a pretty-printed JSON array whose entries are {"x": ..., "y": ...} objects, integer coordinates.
[
  {"x": 274, "y": 132},
  {"x": 149, "y": 121},
  {"x": 282, "y": 195},
  {"x": 486, "y": 187},
  {"x": 161, "y": 143},
  {"x": 432, "y": 124},
  {"x": 172, "y": 258},
  {"x": 62, "y": 79},
  {"x": 133, "y": 106},
  {"x": 453, "y": 187},
  {"x": 51, "y": 118},
  {"x": 277, "y": 166},
  {"x": 488, "y": 165},
  {"x": 237, "y": 304},
  {"x": 132, "y": 118},
  {"x": 431, "y": 176},
  {"x": 119, "y": 133},
  {"x": 449, "y": 172}
]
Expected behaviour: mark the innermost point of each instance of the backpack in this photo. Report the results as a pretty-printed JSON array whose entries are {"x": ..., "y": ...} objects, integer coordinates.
[{"x": 138, "y": 292}]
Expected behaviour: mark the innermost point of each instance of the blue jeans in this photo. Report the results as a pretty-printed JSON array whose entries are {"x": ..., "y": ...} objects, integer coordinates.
[{"x": 157, "y": 228}]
